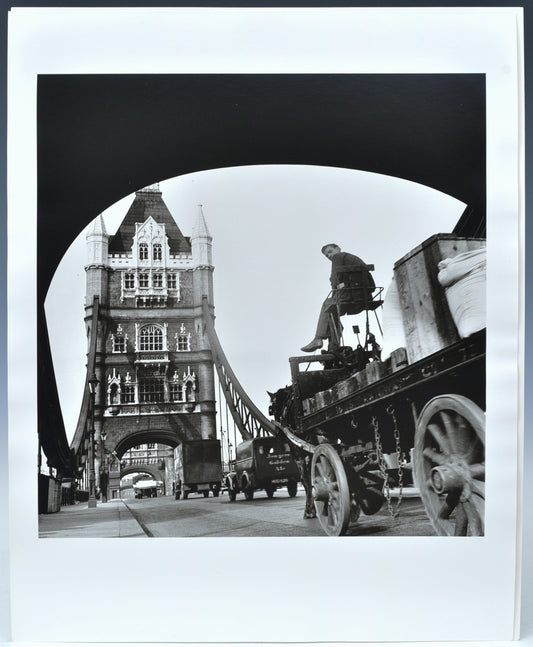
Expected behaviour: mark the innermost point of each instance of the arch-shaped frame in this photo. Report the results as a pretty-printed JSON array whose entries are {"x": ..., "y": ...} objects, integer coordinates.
[
  {"x": 161, "y": 437},
  {"x": 143, "y": 469},
  {"x": 427, "y": 128}
]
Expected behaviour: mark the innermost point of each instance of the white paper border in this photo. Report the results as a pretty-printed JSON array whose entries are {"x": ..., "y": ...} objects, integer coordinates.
[{"x": 473, "y": 597}]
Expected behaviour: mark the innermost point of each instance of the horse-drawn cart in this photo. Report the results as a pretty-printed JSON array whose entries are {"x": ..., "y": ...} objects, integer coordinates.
[{"x": 363, "y": 423}]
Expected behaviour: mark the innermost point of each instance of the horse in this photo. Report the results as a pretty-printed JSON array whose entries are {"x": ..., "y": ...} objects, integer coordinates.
[{"x": 282, "y": 410}]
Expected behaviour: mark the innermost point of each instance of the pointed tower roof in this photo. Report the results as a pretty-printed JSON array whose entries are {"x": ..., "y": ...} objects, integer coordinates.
[
  {"x": 149, "y": 202},
  {"x": 200, "y": 226},
  {"x": 98, "y": 226}
]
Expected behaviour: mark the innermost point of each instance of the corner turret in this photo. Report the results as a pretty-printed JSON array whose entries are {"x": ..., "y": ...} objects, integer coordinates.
[
  {"x": 202, "y": 259},
  {"x": 97, "y": 261}
]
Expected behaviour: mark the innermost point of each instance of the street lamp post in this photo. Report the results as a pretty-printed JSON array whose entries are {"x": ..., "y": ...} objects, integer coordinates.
[
  {"x": 104, "y": 473},
  {"x": 93, "y": 384}
]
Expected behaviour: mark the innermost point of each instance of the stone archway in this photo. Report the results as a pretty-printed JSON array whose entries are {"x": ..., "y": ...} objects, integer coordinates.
[
  {"x": 143, "y": 468},
  {"x": 160, "y": 467}
]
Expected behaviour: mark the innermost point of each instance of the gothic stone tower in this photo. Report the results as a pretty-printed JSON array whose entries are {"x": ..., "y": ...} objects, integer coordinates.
[{"x": 153, "y": 360}]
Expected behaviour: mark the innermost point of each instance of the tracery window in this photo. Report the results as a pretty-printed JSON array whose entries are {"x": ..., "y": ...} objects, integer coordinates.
[
  {"x": 143, "y": 252},
  {"x": 151, "y": 389},
  {"x": 128, "y": 393},
  {"x": 151, "y": 338},
  {"x": 157, "y": 252},
  {"x": 184, "y": 343},
  {"x": 144, "y": 280},
  {"x": 171, "y": 281},
  {"x": 129, "y": 281},
  {"x": 119, "y": 344},
  {"x": 183, "y": 339},
  {"x": 157, "y": 280},
  {"x": 119, "y": 341},
  {"x": 176, "y": 392}
]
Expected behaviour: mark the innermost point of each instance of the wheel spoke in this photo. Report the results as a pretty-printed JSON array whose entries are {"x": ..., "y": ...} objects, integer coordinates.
[
  {"x": 448, "y": 506},
  {"x": 324, "y": 509},
  {"x": 434, "y": 456},
  {"x": 474, "y": 521},
  {"x": 461, "y": 521},
  {"x": 478, "y": 487},
  {"x": 325, "y": 468},
  {"x": 454, "y": 430},
  {"x": 332, "y": 513},
  {"x": 320, "y": 468},
  {"x": 477, "y": 471},
  {"x": 441, "y": 439}
]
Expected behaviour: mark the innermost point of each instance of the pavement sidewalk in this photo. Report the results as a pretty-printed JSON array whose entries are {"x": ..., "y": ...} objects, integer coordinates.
[{"x": 111, "y": 519}]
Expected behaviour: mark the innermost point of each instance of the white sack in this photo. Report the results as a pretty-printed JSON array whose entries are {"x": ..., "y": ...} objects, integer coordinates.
[
  {"x": 464, "y": 280},
  {"x": 393, "y": 332}
]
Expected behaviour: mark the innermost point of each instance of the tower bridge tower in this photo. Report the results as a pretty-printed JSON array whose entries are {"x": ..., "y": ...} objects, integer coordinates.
[{"x": 153, "y": 359}]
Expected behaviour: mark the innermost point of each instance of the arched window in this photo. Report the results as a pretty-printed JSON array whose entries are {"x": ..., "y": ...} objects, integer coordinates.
[
  {"x": 143, "y": 252},
  {"x": 177, "y": 392},
  {"x": 157, "y": 280},
  {"x": 157, "y": 251},
  {"x": 184, "y": 342},
  {"x": 128, "y": 393},
  {"x": 119, "y": 341},
  {"x": 183, "y": 339},
  {"x": 151, "y": 338}
]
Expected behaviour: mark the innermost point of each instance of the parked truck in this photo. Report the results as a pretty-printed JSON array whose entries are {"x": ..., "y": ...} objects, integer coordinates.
[
  {"x": 263, "y": 463},
  {"x": 198, "y": 468}
]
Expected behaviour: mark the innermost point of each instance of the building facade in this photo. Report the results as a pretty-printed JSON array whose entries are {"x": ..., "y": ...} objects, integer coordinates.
[{"x": 153, "y": 360}]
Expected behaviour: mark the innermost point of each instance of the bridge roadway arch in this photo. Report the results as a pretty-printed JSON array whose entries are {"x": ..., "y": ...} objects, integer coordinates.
[
  {"x": 118, "y": 444},
  {"x": 144, "y": 468},
  {"x": 426, "y": 128},
  {"x": 119, "y": 441}
]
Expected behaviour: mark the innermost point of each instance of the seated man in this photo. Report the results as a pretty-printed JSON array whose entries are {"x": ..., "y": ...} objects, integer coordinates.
[{"x": 352, "y": 286}]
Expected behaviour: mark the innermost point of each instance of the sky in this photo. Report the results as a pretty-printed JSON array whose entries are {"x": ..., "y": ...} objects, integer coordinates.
[{"x": 268, "y": 225}]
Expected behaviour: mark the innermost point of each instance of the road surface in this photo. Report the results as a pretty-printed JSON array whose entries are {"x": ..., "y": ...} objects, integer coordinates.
[{"x": 280, "y": 516}]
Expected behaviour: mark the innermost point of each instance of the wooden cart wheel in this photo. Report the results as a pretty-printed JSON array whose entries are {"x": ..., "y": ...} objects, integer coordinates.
[
  {"x": 449, "y": 464},
  {"x": 330, "y": 490}
]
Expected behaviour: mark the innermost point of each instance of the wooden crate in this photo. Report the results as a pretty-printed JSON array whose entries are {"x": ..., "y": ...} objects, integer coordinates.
[{"x": 427, "y": 322}]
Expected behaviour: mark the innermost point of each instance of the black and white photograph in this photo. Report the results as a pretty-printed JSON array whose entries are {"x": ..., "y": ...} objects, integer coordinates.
[
  {"x": 275, "y": 319},
  {"x": 380, "y": 416}
]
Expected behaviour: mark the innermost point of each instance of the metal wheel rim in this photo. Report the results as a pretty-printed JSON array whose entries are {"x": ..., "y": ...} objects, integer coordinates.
[
  {"x": 451, "y": 431},
  {"x": 327, "y": 468}
]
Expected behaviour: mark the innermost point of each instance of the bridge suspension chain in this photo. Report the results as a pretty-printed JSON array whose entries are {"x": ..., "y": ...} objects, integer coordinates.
[{"x": 250, "y": 421}]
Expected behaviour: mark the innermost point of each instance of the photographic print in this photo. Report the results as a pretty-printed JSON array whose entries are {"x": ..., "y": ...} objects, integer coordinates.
[
  {"x": 386, "y": 422},
  {"x": 271, "y": 324}
]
